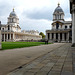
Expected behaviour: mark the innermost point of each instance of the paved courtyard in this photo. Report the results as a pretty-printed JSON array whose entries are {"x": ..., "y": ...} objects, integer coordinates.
[
  {"x": 52, "y": 59},
  {"x": 58, "y": 61}
]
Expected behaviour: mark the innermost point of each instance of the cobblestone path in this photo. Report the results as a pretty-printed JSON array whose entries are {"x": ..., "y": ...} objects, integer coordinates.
[{"x": 60, "y": 61}]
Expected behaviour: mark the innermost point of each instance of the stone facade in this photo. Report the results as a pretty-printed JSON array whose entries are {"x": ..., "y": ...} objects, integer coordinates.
[
  {"x": 12, "y": 31},
  {"x": 72, "y": 11},
  {"x": 61, "y": 30}
]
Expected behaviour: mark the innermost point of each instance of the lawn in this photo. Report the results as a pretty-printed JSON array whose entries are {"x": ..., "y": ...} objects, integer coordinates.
[{"x": 12, "y": 45}]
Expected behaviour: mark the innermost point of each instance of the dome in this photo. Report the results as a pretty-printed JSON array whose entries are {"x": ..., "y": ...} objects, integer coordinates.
[
  {"x": 13, "y": 13},
  {"x": 58, "y": 9}
]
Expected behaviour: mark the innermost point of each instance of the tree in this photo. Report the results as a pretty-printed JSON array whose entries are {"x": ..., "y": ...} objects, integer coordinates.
[{"x": 42, "y": 34}]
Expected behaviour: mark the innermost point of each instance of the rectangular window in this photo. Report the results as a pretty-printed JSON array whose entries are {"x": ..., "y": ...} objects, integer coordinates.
[{"x": 57, "y": 25}]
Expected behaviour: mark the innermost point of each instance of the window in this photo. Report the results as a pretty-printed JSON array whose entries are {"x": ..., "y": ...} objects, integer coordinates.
[
  {"x": 2, "y": 28},
  {"x": 70, "y": 26},
  {"x": 12, "y": 19},
  {"x": 8, "y": 27},
  {"x": 57, "y": 25},
  {"x": 65, "y": 27},
  {"x": 60, "y": 16}
]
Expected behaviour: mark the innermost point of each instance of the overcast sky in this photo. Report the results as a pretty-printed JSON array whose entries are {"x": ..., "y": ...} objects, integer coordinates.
[{"x": 33, "y": 14}]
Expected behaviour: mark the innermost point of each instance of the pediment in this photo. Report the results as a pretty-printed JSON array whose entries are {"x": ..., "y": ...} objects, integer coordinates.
[{"x": 57, "y": 22}]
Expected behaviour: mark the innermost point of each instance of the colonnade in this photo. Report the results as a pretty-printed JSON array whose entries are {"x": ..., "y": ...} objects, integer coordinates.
[
  {"x": 64, "y": 37},
  {"x": 7, "y": 37},
  {"x": 18, "y": 37}
]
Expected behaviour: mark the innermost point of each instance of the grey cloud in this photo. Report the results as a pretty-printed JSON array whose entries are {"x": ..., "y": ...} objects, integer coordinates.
[
  {"x": 4, "y": 9},
  {"x": 44, "y": 13}
]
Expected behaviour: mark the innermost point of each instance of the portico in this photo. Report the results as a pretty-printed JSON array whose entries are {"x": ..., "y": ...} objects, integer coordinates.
[{"x": 58, "y": 36}]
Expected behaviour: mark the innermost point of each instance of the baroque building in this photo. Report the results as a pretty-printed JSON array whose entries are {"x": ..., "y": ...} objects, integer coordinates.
[
  {"x": 61, "y": 30},
  {"x": 12, "y": 31}
]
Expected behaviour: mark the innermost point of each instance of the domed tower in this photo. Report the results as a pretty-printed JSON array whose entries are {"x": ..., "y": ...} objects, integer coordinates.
[
  {"x": 13, "y": 22},
  {"x": 13, "y": 19},
  {"x": 58, "y": 18},
  {"x": 58, "y": 14}
]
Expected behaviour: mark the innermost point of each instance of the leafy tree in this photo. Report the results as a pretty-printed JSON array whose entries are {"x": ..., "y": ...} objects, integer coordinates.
[{"x": 42, "y": 34}]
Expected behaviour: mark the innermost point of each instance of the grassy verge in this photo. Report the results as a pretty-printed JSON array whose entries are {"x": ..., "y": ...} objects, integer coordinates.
[{"x": 12, "y": 45}]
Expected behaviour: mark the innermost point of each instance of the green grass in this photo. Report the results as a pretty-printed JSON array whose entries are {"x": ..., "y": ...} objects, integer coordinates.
[{"x": 12, "y": 45}]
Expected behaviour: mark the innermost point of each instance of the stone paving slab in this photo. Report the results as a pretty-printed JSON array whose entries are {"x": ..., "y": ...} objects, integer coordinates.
[{"x": 60, "y": 61}]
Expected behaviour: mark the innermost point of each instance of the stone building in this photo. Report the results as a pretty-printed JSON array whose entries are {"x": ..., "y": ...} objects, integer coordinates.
[
  {"x": 61, "y": 30},
  {"x": 12, "y": 31},
  {"x": 72, "y": 11}
]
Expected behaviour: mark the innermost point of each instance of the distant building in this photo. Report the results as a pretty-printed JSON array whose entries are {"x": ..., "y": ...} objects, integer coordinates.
[
  {"x": 12, "y": 31},
  {"x": 61, "y": 30}
]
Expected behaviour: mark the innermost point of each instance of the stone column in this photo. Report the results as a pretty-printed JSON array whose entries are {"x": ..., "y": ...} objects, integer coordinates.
[
  {"x": 7, "y": 37},
  {"x": 63, "y": 37},
  {"x": 50, "y": 36},
  {"x": 4, "y": 37},
  {"x": 67, "y": 37},
  {"x": 58, "y": 37},
  {"x": 0, "y": 39},
  {"x": 13, "y": 36},
  {"x": 46, "y": 36},
  {"x": 73, "y": 25},
  {"x": 10, "y": 37},
  {"x": 54, "y": 36},
  {"x": 1, "y": 36}
]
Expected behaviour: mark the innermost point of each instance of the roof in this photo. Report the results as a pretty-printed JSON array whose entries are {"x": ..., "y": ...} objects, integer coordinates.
[
  {"x": 58, "y": 9},
  {"x": 13, "y": 13},
  {"x": 68, "y": 22}
]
